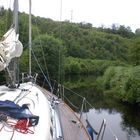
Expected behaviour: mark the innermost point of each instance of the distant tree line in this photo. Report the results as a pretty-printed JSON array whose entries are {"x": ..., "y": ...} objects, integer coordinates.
[{"x": 118, "y": 29}]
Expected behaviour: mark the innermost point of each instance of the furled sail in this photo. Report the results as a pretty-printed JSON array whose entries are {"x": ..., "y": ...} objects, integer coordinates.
[{"x": 10, "y": 47}]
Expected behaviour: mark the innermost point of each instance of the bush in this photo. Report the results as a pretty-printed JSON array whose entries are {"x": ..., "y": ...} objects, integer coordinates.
[
  {"x": 88, "y": 66},
  {"x": 124, "y": 82}
]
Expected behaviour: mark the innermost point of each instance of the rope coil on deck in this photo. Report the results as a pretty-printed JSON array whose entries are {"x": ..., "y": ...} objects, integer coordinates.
[{"x": 21, "y": 125}]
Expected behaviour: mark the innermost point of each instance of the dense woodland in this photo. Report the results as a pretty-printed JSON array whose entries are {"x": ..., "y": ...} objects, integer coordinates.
[{"x": 64, "y": 48}]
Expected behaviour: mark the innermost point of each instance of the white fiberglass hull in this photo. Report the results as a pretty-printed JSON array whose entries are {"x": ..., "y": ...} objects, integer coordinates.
[{"x": 38, "y": 104}]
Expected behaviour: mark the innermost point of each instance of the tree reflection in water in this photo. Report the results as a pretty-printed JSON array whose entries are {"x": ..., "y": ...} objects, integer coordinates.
[{"x": 129, "y": 124}]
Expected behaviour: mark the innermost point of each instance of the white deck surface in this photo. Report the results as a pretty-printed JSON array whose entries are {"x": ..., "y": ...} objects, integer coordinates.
[{"x": 38, "y": 105}]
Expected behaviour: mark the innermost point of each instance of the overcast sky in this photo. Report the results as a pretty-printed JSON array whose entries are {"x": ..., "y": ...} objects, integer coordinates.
[{"x": 97, "y": 12}]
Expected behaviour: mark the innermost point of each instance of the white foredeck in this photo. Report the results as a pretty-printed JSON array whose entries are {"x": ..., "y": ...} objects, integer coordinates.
[
  {"x": 56, "y": 119},
  {"x": 38, "y": 105}
]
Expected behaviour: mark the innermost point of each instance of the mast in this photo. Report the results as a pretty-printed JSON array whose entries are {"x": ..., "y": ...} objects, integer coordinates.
[
  {"x": 30, "y": 37},
  {"x": 12, "y": 69},
  {"x": 15, "y": 16}
]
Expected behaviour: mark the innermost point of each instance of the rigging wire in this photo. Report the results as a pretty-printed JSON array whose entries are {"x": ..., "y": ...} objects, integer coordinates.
[
  {"x": 42, "y": 70},
  {"x": 59, "y": 49},
  {"x": 74, "y": 92},
  {"x": 85, "y": 105},
  {"x": 61, "y": 91},
  {"x": 71, "y": 103},
  {"x": 60, "y": 36},
  {"x": 42, "y": 52},
  {"x": 30, "y": 38}
]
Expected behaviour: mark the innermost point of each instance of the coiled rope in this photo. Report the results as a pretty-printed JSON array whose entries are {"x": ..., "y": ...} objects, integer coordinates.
[{"x": 21, "y": 125}]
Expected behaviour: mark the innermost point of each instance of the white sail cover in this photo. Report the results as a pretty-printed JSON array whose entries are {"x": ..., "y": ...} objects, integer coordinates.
[{"x": 10, "y": 47}]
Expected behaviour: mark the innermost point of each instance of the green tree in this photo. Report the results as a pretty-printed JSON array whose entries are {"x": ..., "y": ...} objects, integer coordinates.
[
  {"x": 49, "y": 49},
  {"x": 134, "y": 52},
  {"x": 137, "y": 32}
]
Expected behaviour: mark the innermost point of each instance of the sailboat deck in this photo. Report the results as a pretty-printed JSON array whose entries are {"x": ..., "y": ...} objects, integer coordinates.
[{"x": 72, "y": 127}]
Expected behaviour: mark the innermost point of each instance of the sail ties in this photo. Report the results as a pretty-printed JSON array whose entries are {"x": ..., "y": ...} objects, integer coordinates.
[{"x": 10, "y": 47}]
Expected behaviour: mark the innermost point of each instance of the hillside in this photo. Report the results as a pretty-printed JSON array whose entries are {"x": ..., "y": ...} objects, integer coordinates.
[{"x": 64, "y": 48}]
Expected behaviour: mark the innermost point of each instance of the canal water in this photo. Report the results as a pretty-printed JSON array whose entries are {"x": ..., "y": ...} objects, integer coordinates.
[
  {"x": 122, "y": 121},
  {"x": 115, "y": 126}
]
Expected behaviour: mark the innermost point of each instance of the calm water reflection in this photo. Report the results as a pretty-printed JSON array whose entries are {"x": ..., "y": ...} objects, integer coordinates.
[
  {"x": 122, "y": 120},
  {"x": 114, "y": 125}
]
